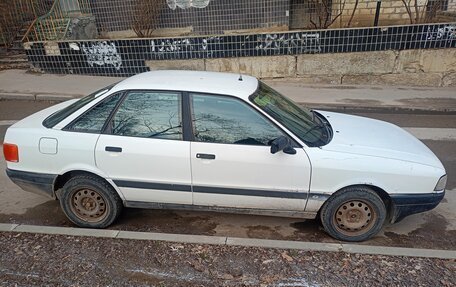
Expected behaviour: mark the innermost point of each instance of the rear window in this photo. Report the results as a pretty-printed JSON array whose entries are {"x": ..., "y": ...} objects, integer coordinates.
[{"x": 60, "y": 115}]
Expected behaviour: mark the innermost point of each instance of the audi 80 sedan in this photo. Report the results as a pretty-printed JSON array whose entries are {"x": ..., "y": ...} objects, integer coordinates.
[{"x": 220, "y": 142}]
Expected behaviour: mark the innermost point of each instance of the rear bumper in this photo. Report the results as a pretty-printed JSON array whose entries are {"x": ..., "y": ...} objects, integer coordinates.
[
  {"x": 408, "y": 204},
  {"x": 39, "y": 183}
]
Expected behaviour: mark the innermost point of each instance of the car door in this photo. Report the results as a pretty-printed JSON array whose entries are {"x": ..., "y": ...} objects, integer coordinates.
[
  {"x": 142, "y": 149},
  {"x": 232, "y": 165}
]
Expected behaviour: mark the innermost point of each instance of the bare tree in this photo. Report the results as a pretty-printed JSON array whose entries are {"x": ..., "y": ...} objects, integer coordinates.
[
  {"x": 323, "y": 13},
  {"x": 424, "y": 14},
  {"x": 146, "y": 17},
  {"x": 10, "y": 22},
  {"x": 352, "y": 14}
]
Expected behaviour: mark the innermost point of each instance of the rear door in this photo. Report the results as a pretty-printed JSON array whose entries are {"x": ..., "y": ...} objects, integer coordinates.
[
  {"x": 232, "y": 165},
  {"x": 143, "y": 150}
]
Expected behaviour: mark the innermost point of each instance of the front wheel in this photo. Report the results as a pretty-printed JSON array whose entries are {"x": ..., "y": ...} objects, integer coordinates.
[
  {"x": 353, "y": 214},
  {"x": 90, "y": 202}
]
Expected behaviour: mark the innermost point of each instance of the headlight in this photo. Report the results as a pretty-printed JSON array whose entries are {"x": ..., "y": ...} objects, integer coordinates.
[{"x": 441, "y": 184}]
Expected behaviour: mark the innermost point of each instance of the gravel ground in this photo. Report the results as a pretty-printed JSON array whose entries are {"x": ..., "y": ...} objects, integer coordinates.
[{"x": 54, "y": 260}]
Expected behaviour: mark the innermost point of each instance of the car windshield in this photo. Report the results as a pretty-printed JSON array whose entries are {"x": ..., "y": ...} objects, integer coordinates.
[
  {"x": 311, "y": 127},
  {"x": 60, "y": 115}
]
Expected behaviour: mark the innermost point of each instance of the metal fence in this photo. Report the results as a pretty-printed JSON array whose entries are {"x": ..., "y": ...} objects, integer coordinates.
[
  {"x": 116, "y": 19},
  {"x": 122, "y": 37},
  {"x": 127, "y": 57},
  {"x": 205, "y": 17}
]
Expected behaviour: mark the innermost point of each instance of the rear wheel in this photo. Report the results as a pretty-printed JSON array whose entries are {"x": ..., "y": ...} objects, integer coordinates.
[
  {"x": 353, "y": 214},
  {"x": 90, "y": 202}
]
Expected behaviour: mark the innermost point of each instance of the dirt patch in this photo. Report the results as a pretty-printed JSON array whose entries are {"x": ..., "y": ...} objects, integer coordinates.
[
  {"x": 260, "y": 231},
  {"x": 432, "y": 234},
  {"x": 165, "y": 221},
  {"x": 48, "y": 213},
  {"x": 311, "y": 230}
]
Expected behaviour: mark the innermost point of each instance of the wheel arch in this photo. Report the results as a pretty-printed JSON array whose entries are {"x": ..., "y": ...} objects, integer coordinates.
[
  {"x": 63, "y": 178},
  {"x": 378, "y": 190}
]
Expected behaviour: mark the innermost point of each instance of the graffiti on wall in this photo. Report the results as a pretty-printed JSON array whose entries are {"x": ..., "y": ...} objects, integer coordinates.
[
  {"x": 292, "y": 43},
  {"x": 185, "y": 48},
  {"x": 447, "y": 32},
  {"x": 102, "y": 53},
  {"x": 185, "y": 4},
  {"x": 240, "y": 45}
]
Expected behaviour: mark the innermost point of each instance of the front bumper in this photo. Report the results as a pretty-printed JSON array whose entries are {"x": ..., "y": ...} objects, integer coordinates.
[
  {"x": 39, "y": 183},
  {"x": 404, "y": 205}
]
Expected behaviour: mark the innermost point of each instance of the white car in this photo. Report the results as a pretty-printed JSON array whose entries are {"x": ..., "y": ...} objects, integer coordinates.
[{"x": 220, "y": 142}]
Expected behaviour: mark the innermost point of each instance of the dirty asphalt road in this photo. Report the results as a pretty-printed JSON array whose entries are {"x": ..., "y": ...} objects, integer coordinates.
[
  {"x": 51, "y": 260},
  {"x": 434, "y": 229}
]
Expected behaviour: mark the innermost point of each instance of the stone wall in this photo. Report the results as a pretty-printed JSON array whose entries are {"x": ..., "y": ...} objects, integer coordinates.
[
  {"x": 432, "y": 67},
  {"x": 392, "y": 12}
]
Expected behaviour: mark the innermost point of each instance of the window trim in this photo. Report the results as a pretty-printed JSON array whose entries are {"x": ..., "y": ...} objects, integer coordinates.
[
  {"x": 186, "y": 109},
  {"x": 295, "y": 144}
]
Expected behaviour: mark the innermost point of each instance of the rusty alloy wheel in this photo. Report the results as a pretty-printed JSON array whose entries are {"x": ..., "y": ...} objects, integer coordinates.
[
  {"x": 355, "y": 217},
  {"x": 89, "y": 205}
]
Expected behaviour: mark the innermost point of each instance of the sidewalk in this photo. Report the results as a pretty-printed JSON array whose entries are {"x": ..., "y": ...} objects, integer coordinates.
[{"x": 20, "y": 84}]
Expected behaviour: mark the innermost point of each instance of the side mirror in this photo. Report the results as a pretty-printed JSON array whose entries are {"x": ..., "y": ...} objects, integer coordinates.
[
  {"x": 289, "y": 150},
  {"x": 282, "y": 143}
]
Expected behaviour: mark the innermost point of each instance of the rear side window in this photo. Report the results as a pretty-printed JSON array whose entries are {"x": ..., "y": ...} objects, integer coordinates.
[
  {"x": 149, "y": 115},
  {"x": 59, "y": 116},
  {"x": 94, "y": 119}
]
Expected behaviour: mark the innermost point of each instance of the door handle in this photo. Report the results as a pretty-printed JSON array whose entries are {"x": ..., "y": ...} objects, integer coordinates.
[
  {"x": 113, "y": 149},
  {"x": 205, "y": 156}
]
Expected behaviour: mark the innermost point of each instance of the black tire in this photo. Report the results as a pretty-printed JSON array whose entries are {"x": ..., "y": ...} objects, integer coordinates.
[
  {"x": 91, "y": 202},
  {"x": 353, "y": 214}
]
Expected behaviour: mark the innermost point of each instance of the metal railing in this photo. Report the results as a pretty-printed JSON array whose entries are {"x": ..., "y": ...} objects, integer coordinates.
[
  {"x": 14, "y": 15},
  {"x": 54, "y": 24}
]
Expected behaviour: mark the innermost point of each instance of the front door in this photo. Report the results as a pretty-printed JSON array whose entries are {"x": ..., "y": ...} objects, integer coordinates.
[{"x": 231, "y": 161}]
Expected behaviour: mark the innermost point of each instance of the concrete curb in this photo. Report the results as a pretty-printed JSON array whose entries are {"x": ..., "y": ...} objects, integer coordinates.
[
  {"x": 17, "y": 96},
  {"x": 231, "y": 241},
  {"x": 36, "y": 96}
]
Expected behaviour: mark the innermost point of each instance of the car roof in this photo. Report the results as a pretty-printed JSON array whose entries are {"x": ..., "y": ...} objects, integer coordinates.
[{"x": 241, "y": 86}]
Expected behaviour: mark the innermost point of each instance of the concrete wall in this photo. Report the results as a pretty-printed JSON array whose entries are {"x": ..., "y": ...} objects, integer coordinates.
[{"x": 433, "y": 67}]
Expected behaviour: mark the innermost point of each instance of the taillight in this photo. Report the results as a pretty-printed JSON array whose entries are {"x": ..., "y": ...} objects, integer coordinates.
[{"x": 11, "y": 152}]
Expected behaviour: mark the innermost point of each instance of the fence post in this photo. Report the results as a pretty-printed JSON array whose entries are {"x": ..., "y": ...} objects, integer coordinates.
[{"x": 377, "y": 12}]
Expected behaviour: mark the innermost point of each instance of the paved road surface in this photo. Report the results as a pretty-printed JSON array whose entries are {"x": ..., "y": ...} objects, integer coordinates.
[{"x": 435, "y": 229}]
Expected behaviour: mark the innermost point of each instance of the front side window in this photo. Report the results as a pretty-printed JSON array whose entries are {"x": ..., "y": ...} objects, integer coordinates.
[
  {"x": 219, "y": 119},
  {"x": 93, "y": 120},
  {"x": 149, "y": 115},
  {"x": 309, "y": 126}
]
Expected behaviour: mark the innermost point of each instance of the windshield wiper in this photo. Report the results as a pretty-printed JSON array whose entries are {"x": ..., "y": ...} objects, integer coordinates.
[
  {"x": 321, "y": 125},
  {"x": 314, "y": 128}
]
